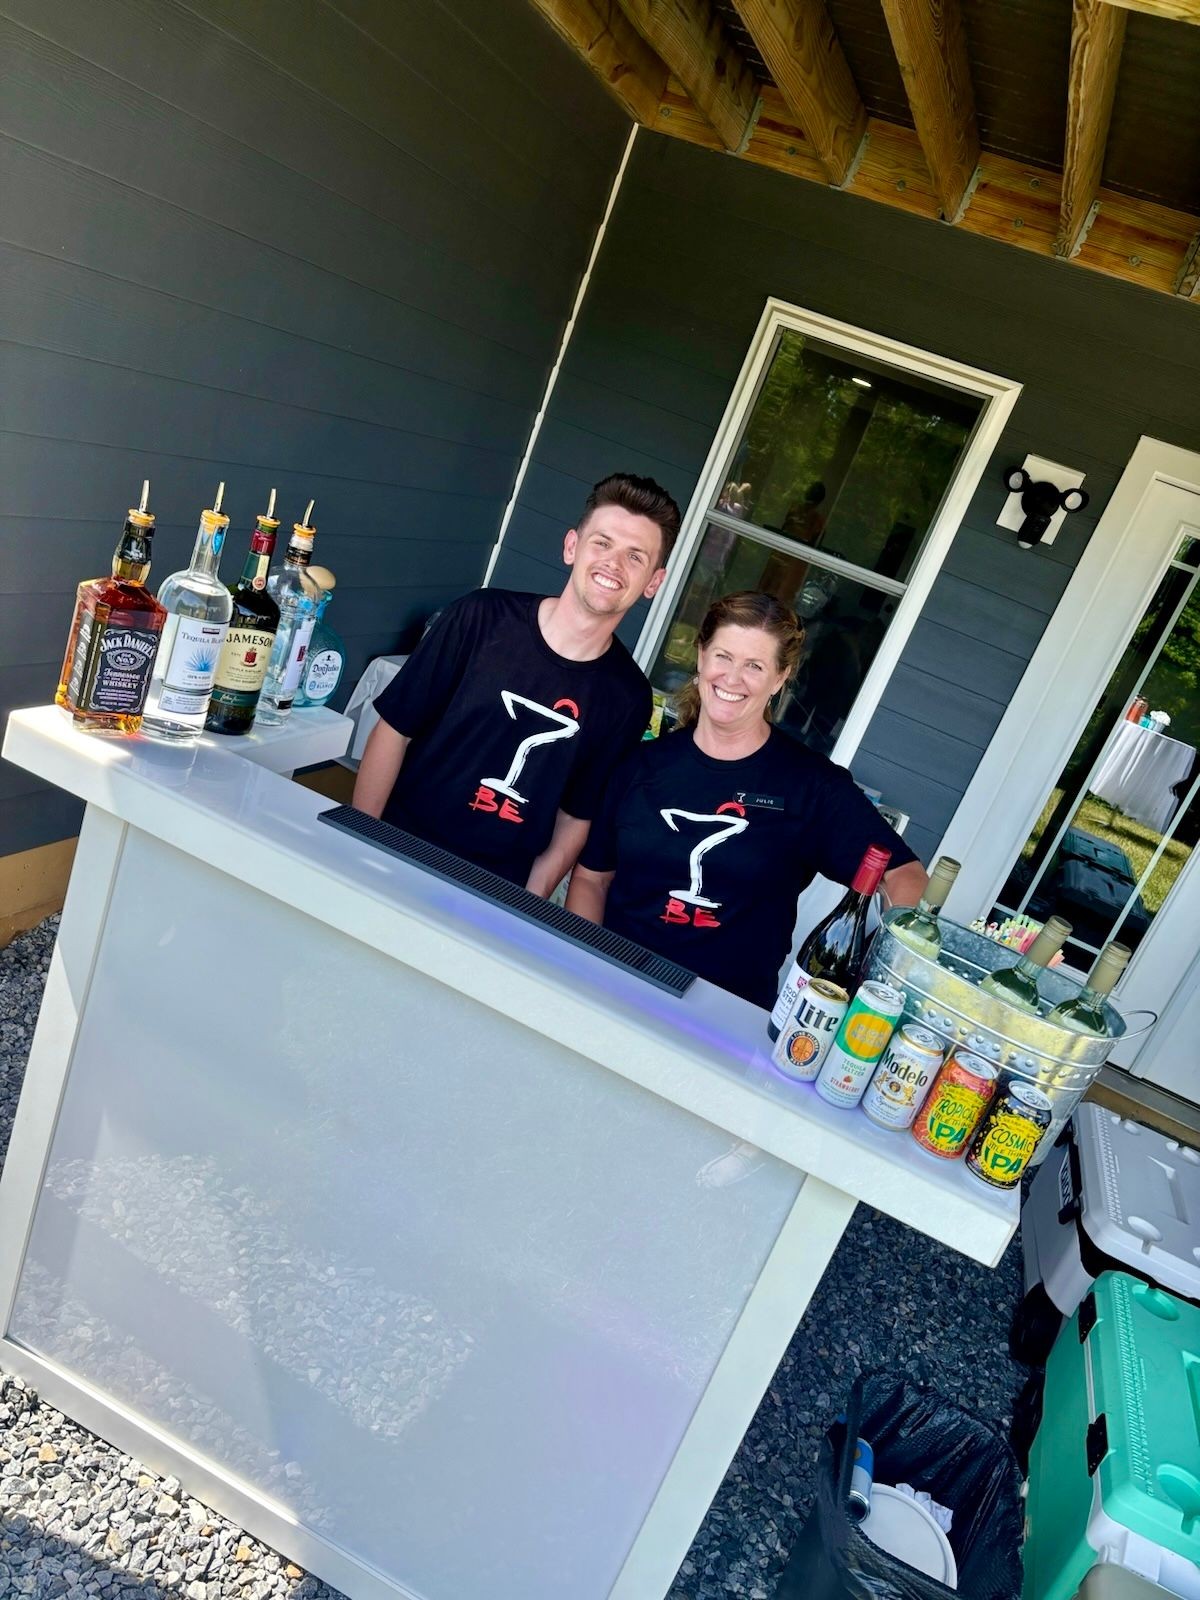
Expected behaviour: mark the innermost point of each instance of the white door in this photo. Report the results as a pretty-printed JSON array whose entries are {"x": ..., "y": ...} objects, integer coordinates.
[{"x": 1078, "y": 809}]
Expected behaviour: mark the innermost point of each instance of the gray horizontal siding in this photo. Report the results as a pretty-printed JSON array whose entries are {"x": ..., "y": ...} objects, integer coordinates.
[
  {"x": 696, "y": 245},
  {"x": 326, "y": 245}
]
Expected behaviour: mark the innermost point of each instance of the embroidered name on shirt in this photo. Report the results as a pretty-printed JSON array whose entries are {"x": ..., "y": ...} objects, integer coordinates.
[{"x": 489, "y": 791}]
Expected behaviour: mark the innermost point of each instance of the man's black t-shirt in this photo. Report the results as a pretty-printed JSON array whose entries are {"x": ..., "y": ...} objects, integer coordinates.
[
  {"x": 505, "y": 732},
  {"x": 711, "y": 856}
]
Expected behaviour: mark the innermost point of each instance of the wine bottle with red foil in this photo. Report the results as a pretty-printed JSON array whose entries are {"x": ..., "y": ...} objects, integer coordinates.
[{"x": 834, "y": 949}]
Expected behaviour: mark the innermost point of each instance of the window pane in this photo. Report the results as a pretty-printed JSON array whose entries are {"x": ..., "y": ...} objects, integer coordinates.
[
  {"x": 844, "y": 623},
  {"x": 850, "y": 457},
  {"x": 1125, "y": 790}
]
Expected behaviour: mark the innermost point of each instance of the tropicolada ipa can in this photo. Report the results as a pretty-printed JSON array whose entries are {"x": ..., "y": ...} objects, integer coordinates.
[
  {"x": 956, "y": 1104},
  {"x": 809, "y": 1031}
]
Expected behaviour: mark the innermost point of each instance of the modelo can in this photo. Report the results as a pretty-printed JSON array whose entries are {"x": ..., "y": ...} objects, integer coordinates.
[
  {"x": 810, "y": 1028},
  {"x": 861, "y": 1040},
  {"x": 955, "y": 1105},
  {"x": 1013, "y": 1127},
  {"x": 903, "y": 1077}
]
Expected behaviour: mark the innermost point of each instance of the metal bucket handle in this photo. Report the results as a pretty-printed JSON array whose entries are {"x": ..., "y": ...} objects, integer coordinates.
[{"x": 1132, "y": 1032}]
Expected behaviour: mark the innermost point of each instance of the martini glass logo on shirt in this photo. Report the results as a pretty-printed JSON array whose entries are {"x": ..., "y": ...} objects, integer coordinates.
[
  {"x": 731, "y": 820},
  {"x": 562, "y": 727}
]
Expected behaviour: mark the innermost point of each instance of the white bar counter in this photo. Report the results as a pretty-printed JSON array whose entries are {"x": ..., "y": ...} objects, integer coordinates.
[{"x": 383, "y": 1219}]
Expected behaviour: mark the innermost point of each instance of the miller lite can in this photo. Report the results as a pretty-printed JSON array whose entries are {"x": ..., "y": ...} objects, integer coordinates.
[{"x": 806, "y": 1036}]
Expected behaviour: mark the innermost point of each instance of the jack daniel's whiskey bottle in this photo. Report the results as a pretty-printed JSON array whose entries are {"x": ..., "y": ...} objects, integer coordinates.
[{"x": 114, "y": 637}]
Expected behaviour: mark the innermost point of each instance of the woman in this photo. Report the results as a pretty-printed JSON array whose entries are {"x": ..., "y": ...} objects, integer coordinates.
[{"x": 707, "y": 836}]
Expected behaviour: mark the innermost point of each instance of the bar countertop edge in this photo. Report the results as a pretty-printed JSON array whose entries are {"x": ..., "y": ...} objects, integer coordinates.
[{"x": 706, "y": 1053}]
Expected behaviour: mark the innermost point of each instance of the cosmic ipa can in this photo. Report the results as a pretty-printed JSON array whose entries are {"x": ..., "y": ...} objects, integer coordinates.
[{"x": 1014, "y": 1126}]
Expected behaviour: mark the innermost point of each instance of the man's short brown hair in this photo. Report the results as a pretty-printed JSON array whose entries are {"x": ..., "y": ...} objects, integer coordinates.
[{"x": 641, "y": 496}]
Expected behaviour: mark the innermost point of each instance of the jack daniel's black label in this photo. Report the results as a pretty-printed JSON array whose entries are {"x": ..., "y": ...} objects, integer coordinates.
[{"x": 123, "y": 658}]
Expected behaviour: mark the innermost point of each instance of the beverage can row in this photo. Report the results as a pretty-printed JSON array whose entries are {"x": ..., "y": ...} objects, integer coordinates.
[{"x": 857, "y": 1051}]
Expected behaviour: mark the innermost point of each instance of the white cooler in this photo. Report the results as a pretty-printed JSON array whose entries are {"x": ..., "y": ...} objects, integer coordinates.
[{"x": 1114, "y": 1195}]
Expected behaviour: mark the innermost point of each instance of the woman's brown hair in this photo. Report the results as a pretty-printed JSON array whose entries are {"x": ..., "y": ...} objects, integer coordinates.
[{"x": 746, "y": 609}]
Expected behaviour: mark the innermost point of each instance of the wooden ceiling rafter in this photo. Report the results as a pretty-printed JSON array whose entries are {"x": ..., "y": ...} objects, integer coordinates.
[
  {"x": 1012, "y": 201},
  {"x": 1171, "y": 10},
  {"x": 691, "y": 38},
  {"x": 601, "y": 34},
  {"x": 797, "y": 41},
  {"x": 929, "y": 38},
  {"x": 1097, "y": 38}
]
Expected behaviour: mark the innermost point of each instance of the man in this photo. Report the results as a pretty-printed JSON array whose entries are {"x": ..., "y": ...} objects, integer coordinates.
[{"x": 496, "y": 738}]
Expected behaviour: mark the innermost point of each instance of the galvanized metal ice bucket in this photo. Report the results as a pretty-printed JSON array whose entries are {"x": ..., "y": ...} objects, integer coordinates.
[{"x": 943, "y": 995}]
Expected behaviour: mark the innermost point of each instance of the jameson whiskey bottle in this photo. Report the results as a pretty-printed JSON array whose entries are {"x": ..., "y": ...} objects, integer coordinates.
[
  {"x": 1019, "y": 984},
  {"x": 114, "y": 636},
  {"x": 198, "y": 610},
  {"x": 834, "y": 949},
  {"x": 297, "y": 601},
  {"x": 918, "y": 926},
  {"x": 1085, "y": 1013},
  {"x": 252, "y": 626}
]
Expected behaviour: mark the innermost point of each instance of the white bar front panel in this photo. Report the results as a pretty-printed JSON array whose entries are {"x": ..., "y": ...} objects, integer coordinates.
[{"x": 446, "y": 1292}]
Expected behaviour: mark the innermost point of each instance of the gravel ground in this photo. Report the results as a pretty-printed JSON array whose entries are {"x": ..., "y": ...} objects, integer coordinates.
[{"x": 79, "y": 1518}]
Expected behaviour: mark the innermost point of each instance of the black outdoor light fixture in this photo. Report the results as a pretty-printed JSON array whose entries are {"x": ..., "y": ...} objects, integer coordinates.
[{"x": 1040, "y": 502}]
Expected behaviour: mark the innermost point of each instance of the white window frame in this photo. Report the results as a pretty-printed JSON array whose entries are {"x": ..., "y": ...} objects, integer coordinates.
[{"x": 999, "y": 396}]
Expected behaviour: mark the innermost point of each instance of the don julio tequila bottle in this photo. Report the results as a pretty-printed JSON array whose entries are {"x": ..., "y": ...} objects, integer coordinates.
[
  {"x": 297, "y": 618},
  {"x": 114, "y": 636},
  {"x": 198, "y": 610},
  {"x": 252, "y": 626}
]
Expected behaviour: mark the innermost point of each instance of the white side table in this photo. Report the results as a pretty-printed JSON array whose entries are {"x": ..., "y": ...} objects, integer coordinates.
[
  {"x": 309, "y": 736},
  {"x": 360, "y": 707}
]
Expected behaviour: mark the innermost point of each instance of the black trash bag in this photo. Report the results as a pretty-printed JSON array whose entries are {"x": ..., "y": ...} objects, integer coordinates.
[{"x": 922, "y": 1440}]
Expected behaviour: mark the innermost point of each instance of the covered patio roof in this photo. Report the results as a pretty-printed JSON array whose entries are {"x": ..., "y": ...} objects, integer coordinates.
[{"x": 1068, "y": 128}]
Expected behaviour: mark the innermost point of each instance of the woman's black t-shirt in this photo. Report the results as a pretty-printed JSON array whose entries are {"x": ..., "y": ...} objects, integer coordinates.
[{"x": 711, "y": 856}]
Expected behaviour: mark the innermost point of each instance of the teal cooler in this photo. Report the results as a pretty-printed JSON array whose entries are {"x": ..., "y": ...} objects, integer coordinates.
[{"x": 1115, "y": 1468}]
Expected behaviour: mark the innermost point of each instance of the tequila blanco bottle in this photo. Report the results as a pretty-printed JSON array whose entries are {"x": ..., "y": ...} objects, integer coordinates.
[{"x": 199, "y": 607}]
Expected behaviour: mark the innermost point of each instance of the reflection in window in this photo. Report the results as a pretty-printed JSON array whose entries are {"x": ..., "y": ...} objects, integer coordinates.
[
  {"x": 832, "y": 487},
  {"x": 849, "y": 459},
  {"x": 1124, "y": 817}
]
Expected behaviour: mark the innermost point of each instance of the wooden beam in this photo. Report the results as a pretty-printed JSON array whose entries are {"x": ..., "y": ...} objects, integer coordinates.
[
  {"x": 600, "y": 32},
  {"x": 1172, "y": 10},
  {"x": 690, "y": 37},
  {"x": 1097, "y": 34},
  {"x": 930, "y": 42},
  {"x": 1187, "y": 283},
  {"x": 797, "y": 41},
  {"x": 1013, "y": 202}
]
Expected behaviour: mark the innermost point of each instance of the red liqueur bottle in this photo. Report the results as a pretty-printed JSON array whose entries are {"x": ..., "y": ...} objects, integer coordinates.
[{"x": 114, "y": 637}]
